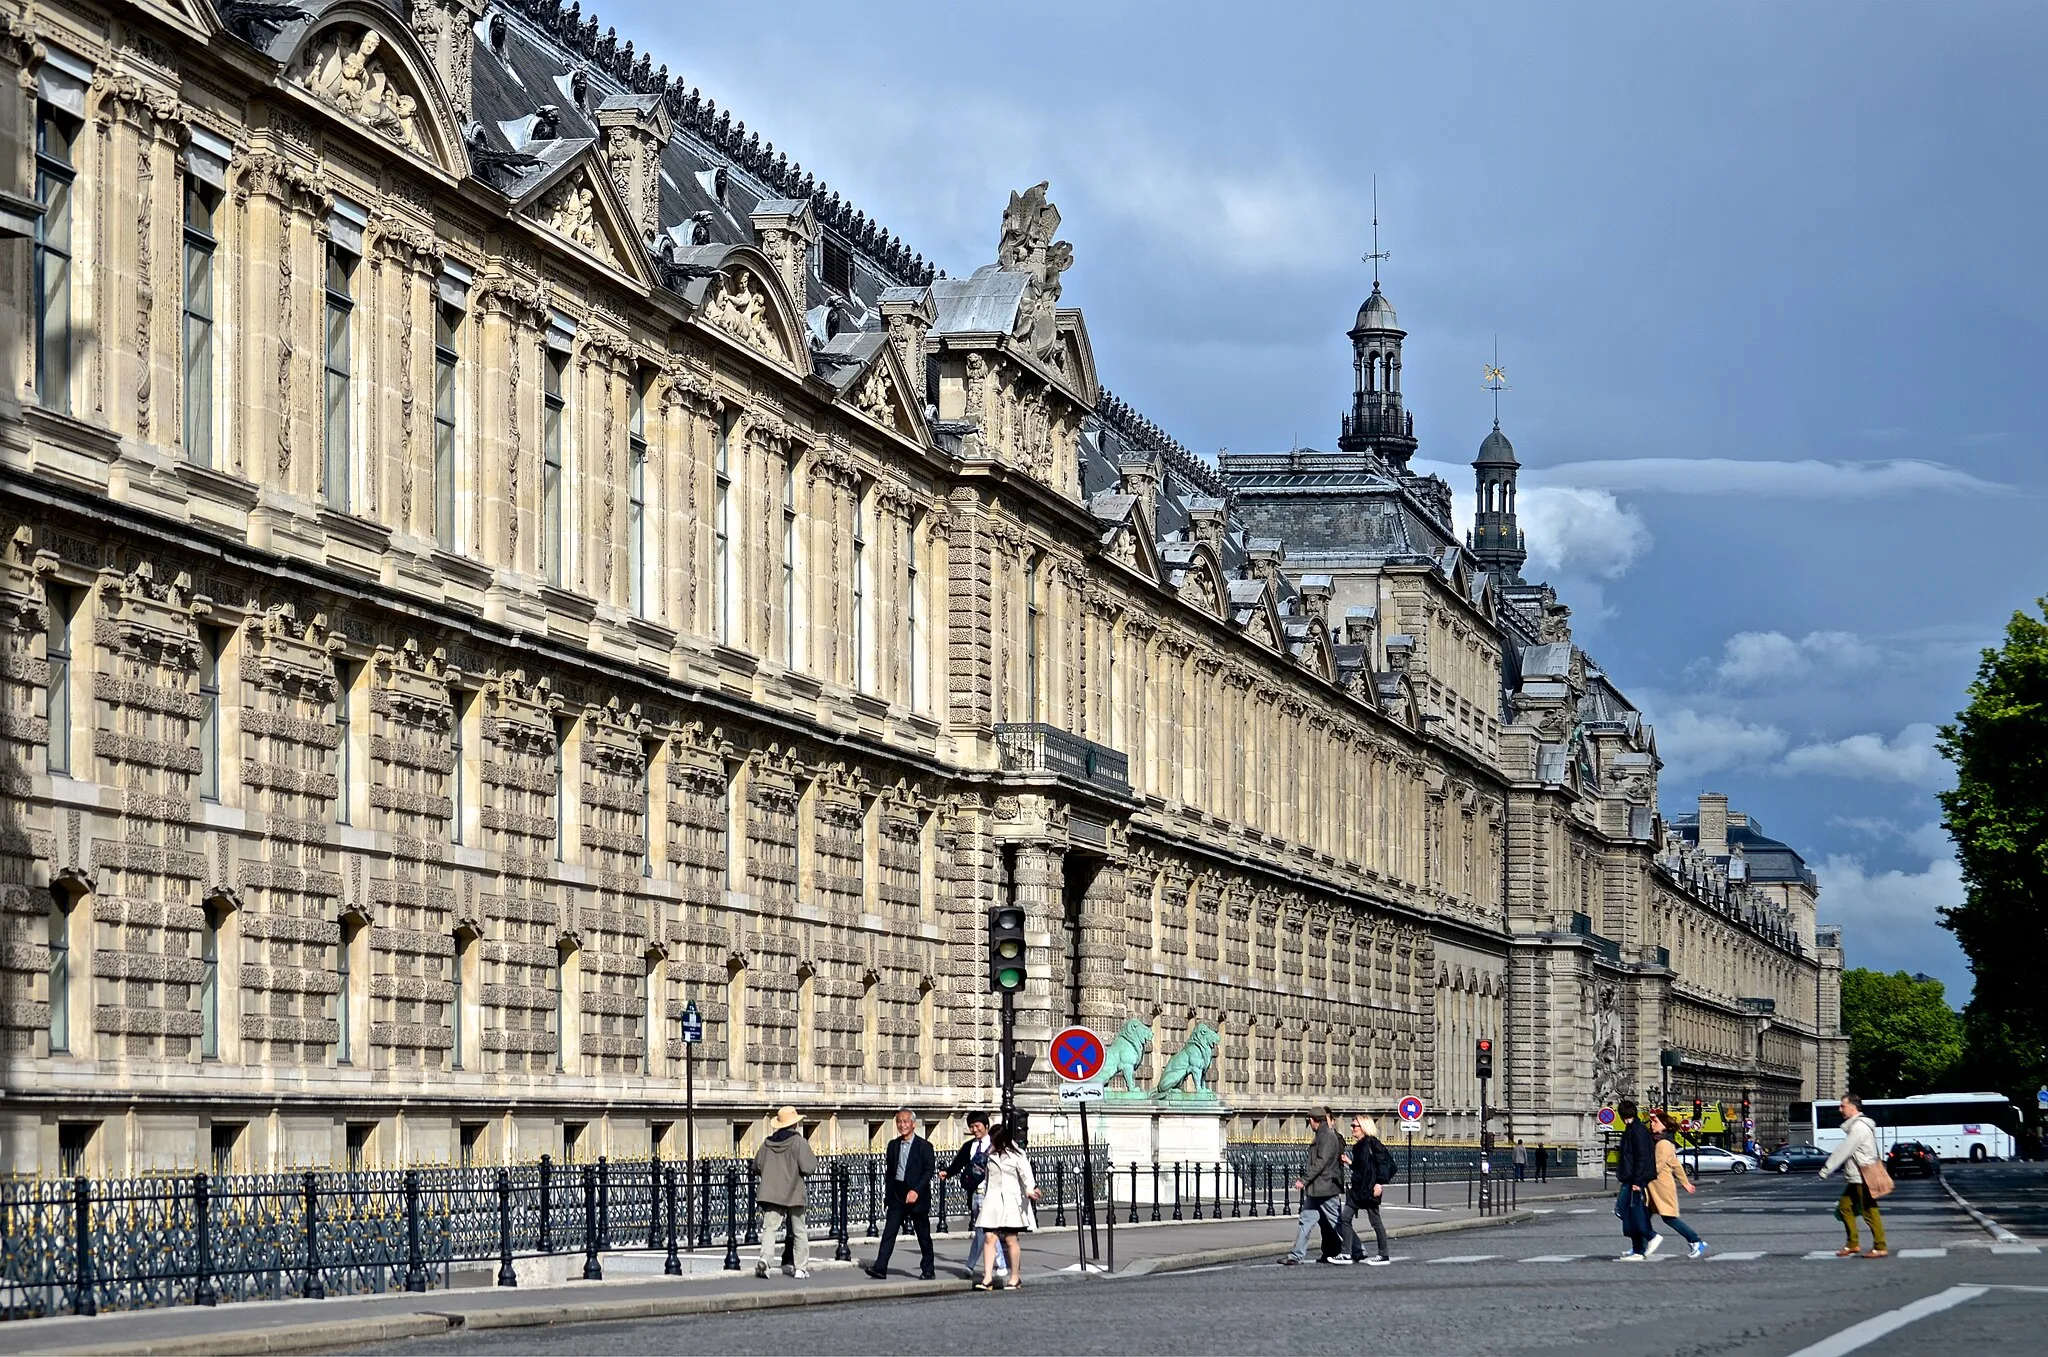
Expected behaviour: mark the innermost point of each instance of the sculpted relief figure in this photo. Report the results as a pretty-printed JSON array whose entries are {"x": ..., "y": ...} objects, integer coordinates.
[
  {"x": 1027, "y": 246},
  {"x": 572, "y": 210},
  {"x": 343, "y": 70},
  {"x": 741, "y": 310},
  {"x": 873, "y": 398}
]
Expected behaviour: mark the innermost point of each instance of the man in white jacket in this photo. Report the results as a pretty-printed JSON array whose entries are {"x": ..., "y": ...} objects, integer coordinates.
[{"x": 1858, "y": 1148}]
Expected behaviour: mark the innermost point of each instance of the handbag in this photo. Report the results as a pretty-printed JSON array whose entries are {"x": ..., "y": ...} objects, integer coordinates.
[{"x": 1877, "y": 1179}]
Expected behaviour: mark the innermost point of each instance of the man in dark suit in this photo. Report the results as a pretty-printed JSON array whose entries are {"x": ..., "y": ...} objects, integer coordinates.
[{"x": 907, "y": 1166}]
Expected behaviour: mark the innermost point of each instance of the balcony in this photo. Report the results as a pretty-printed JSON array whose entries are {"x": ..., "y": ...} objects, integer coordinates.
[
  {"x": 1034, "y": 747},
  {"x": 1766, "y": 1007},
  {"x": 1607, "y": 948}
]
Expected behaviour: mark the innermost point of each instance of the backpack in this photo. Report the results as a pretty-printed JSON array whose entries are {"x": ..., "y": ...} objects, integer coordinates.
[{"x": 1383, "y": 1166}]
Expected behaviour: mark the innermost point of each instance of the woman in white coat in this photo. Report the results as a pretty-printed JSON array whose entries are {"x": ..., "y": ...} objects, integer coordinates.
[{"x": 1006, "y": 1206}]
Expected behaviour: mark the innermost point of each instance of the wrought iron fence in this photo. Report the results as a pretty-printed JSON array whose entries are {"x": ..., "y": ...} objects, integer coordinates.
[{"x": 83, "y": 1245}]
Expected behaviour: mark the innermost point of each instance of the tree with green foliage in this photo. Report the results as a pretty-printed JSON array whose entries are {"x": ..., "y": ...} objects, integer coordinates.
[
  {"x": 1903, "y": 1036},
  {"x": 1998, "y": 817}
]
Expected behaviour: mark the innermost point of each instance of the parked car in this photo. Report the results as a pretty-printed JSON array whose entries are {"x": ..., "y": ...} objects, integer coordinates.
[
  {"x": 1714, "y": 1159},
  {"x": 1794, "y": 1159},
  {"x": 1910, "y": 1158}
]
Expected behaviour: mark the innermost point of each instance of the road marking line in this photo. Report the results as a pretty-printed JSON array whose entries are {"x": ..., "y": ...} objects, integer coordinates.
[
  {"x": 1923, "y": 1253},
  {"x": 1555, "y": 1258},
  {"x": 1824, "y": 1253},
  {"x": 1877, "y": 1326},
  {"x": 1543, "y": 1210},
  {"x": 1581, "y": 1211},
  {"x": 2015, "y": 1248},
  {"x": 1467, "y": 1258},
  {"x": 1715, "y": 1255}
]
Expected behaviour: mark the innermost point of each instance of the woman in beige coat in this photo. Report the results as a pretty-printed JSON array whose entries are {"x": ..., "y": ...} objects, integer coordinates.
[{"x": 1664, "y": 1188}]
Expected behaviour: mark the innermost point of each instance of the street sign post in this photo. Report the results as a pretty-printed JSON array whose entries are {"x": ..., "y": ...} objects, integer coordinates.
[
  {"x": 2041, "y": 1098},
  {"x": 1410, "y": 1109},
  {"x": 1605, "y": 1117},
  {"x": 693, "y": 1032},
  {"x": 1078, "y": 1055}
]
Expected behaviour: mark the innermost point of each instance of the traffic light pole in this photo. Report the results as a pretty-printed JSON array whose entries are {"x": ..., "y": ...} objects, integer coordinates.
[{"x": 1009, "y": 1050}]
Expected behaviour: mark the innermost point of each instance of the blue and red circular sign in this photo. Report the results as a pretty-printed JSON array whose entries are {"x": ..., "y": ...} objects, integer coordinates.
[
  {"x": 1077, "y": 1054},
  {"x": 1606, "y": 1117},
  {"x": 1411, "y": 1108}
]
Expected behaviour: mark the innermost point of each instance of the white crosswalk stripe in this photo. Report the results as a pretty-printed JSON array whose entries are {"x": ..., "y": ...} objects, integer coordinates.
[
  {"x": 1820, "y": 1253},
  {"x": 2015, "y": 1248},
  {"x": 1555, "y": 1258},
  {"x": 1923, "y": 1253},
  {"x": 1467, "y": 1258},
  {"x": 1582, "y": 1211},
  {"x": 1741, "y": 1256},
  {"x": 1543, "y": 1210}
]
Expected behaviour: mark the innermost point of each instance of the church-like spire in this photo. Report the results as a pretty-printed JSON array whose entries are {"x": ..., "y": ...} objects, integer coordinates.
[
  {"x": 1377, "y": 423},
  {"x": 1496, "y": 538}
]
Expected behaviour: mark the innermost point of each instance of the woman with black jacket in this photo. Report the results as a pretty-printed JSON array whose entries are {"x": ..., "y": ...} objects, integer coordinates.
[
  {"x": 1370, "y": 1162},
  {"x": 1635, "y": 1170}
]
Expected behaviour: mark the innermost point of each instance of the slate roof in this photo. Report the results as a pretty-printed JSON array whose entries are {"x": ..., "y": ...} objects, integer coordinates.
[{"x": 1767, "y": 859}]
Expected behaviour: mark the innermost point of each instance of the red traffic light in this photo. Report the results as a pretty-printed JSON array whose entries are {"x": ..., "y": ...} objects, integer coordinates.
[{"x": 1485, "y": 1045}]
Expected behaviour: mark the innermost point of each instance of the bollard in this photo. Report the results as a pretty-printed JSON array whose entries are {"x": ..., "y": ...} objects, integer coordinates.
[
  {"x": 842, "y": 1187},
  {"x": 1269, "y": 1190},
  {"x": 1176, "y": 1189},
  {"x": 547, "y": 1242},
  {"x": 315, "y": 1289},
  {"x": 654, "y": 1183},
  {"x": 1236, "y": 1186},
  {"x": 732, "y": 1237},
  {"x": 592, "y": 1270},
  {"x": 202, "y": 1286},
  {"x": 753, "y": 1232},
  {"x": 1198, "y": 1191},
  {"x": 704, "y": 1210},
  {"x": 1155, "y": 1190},
  {"x": 941, "y": 1228},
  {"x": 1059, "y": 1193},
  {"x": 507, "y": 1275},
  {"x": 673, "y": 1265},
  {"x": 83, "y": 1301},
  {"x": 604, "y": 1204},
  {"x": 872, "y": 1232},
  {"x": 1134, "y": 1192}
]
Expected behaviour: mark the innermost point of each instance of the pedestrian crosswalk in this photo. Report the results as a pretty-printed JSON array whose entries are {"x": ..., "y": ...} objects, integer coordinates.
[{"x": 1732, "y": 1256}]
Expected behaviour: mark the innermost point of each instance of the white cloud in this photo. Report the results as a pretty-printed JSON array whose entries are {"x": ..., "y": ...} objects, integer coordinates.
[
  {"x": 1692, "y": 742},
  {"x": 1889, "y": 918},
  {"x": 1929, "y": 839},
  {"x": 1811, "y": 479},
  {"x": 1909, "y": 757},
  {"x": 1754, "y": 657},
  {"x": 1576, "y": 531}
]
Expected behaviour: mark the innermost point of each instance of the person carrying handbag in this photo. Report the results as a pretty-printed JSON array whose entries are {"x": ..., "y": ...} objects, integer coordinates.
[
  {"x": 1867, "y": 1179},
  {"x": 1006, "y": 1206}
]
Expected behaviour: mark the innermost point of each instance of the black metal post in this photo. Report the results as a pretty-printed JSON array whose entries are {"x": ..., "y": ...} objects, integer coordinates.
[
  {"x": 593, "y": 1271},
  {"x": 1411, "y": 1168},
  {"x": 1059, "y": 1192},
  {"x": 507, "y": 1274},
  {"x": 83, "y": 1301},
  {"x": 315, "y": 1289},
  {"x": 842, "y": 1183},
  {"x": 1198, "y": 1189},
  {"x": 547, "y": 1239},
  {"x": 1134, "y": 1192},
  {"x": 1155, "y": 1189},
  {"x": 1009, "y": 1051},
  {"x": 1269, "y": 1190},
  {"x": 872, "y": 1231},
  {"x": 690, "y": 1146},
  {"x": 1088, "y": 1189},
  {"x": 604, "y": 1204},
  {"x": 202, "y": 1286},
  {"x": 415, "y": 1266},
  {"x": 732, "y": 1236},
  {"x": 1176, "y": 1190},
  {"x": 704, "y": 1206},
  {"x": 673, "y": 1265},
  {"x": 654, "y": 1200},
  {"x": 1109, "y": 1213}
]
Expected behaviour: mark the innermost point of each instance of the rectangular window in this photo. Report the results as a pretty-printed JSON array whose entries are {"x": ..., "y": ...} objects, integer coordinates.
[
  {"x": 860, "y": 593},
  {"x": 59, "y": 938},
  {"x": 561, "y": 793},
  {"x": 650, "y": 1022},
  {"x": 209, "y": 984},
  {"x": 447, "y": 333},
  {"x": 636, "y": 498},
  {"x": 344, "y": 744},
  {"x": 647, "y": 814},
  {"x": 201, "y": 200},
  {"x": 209, "y": 714},
  {"x": 554, "y": 415},
  {"x": 52, "y": 259},
  {"x": 913, "y": 686},
  {"x": 337, "y": 466},
  {"x": 721, "y": 536},
  {"x": 458, "y": 768},
  {"x": 1031, "y": 618},
  {"x": 789, "y": 540},
  {"x": 835, "y": 264},
  {"x": 344, "y": 998},
  {"x": 461, "y": 999},
  {"x": 57, "y": 650}
]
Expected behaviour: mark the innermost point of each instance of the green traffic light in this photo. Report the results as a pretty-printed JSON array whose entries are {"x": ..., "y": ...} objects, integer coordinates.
[{"x": 1010, "y": 977}]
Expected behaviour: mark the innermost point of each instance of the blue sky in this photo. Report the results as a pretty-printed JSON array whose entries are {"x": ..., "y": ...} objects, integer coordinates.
[{"x": 1767, "y": 281}]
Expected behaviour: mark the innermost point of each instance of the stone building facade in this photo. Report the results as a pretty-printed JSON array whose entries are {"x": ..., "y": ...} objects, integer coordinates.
[{"x": 494, "y": 553}]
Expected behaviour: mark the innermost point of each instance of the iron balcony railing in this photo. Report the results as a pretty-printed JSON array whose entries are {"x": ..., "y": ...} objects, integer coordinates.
[
  {"x": 1035, "y": 747},
  {"x": 1608, "y": 948}
]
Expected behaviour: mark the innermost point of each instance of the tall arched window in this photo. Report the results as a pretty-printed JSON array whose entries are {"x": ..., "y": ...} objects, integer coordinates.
[{"x": 1032, "y": 622}]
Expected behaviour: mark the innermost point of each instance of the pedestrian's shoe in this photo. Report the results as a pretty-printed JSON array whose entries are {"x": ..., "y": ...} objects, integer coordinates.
[
  {"x": 1656, "y": 1243},
  {"x": 1381, "y": 1261},
  {"x": 1877, "y": 1253},
  {"x": 1697, "y": 1251},
  {"x": 760, "y": 1269},
  {"x": 980, "y": 1285},
  {"x": 1291, "y": 1261},
  {"x": 879, "y": 1274},
  {"x": 927, "y": 1276},
  {"x": 1848, "y": 1251},
  {"x": 801, "y": 1273},
  {"x": 1630, "y": 1258},
  {"x": 1339, "y": 1259}
]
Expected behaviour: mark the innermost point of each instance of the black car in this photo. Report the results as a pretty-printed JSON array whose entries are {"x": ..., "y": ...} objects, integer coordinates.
[
  {"x": 1794, "y": 1159},
  {"x": 1909, "y": 1158}
]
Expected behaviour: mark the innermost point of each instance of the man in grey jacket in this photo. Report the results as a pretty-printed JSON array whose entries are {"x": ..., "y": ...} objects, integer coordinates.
[
  {"x": 782, "y": 1163},
  {"x": 1322, "y": 1188}
]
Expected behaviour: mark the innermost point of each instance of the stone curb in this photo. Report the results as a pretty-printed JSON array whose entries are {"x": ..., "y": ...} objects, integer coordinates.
[
  {"x": 1991, "y": 1227},
  {"x": 280, "y": 1338},
  {"x": 1242, "y": 1253}
]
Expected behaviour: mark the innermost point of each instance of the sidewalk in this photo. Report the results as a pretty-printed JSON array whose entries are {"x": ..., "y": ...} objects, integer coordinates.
[{"x": 1049, "y": 1256}]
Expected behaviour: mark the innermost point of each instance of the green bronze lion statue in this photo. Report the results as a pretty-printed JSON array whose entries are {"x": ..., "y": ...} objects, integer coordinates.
[
  {"x": 1191, "y": 1061},
  {"x": 1126, "y": 1053}
]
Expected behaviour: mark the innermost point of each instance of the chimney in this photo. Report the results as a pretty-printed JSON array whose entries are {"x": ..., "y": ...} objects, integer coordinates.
[
  {"x": 909, "y": 312},
  {"x": 1140, "y": 473},
  {"x": 633, "y": 129},
  {"x": 1315, "y": 591},
  {"x": 1358, "y": 625},
  {"x": 1264, "y": 555},
  {"x": 784, "y": 228},
  {"x": 1206, "y": 522},
  {"x": 1714, "y": 824}
]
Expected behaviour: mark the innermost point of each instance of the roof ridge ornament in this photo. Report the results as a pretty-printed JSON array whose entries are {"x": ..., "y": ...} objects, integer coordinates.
[
  {"x": 1377, "y": 254},
  {"x": 1027, "y": 246}
]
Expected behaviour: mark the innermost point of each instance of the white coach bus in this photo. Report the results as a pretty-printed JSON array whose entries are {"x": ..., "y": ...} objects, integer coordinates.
[{"x": 1953, "y": 1125}]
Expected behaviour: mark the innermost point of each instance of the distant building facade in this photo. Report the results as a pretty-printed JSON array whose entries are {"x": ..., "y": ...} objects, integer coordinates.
[{"x": 494, "y": 554}]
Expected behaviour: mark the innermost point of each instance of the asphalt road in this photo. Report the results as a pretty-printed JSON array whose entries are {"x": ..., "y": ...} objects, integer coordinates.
[{"x": 1545, "y": 1286}]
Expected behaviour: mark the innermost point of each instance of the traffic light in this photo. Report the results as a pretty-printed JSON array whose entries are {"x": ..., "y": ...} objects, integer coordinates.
[
  {"x": 1006, "y": 949},
  {"x": 1745, "y": 1109},
  {"x": 1485, "y": 1058},
  {"x": 1699, "y": 1111}
]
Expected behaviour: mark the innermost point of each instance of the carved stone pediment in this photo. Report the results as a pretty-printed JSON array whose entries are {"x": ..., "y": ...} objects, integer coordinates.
[
  {"x": 347, "y": 68},
  {"x": 739, "y": 305},
  {"x": 571, "y": 209}
]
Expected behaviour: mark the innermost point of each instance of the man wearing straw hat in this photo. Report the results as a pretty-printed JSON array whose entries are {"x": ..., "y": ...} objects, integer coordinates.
[{"x": 782, "y": 1163}]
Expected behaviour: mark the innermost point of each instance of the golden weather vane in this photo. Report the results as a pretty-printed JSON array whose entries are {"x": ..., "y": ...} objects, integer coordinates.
[{"x": 1496, "y": 380}]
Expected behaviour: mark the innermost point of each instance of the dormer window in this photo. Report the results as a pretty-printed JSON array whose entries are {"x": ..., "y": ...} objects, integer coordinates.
[{"x": 836, "y": 266}]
